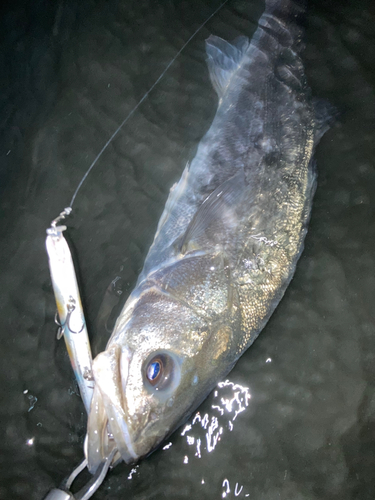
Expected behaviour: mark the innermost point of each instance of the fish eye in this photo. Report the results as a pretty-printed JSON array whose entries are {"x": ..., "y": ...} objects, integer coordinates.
[
  {"x": 154, "y": 371},
  {"x": 161, "y": 372}
]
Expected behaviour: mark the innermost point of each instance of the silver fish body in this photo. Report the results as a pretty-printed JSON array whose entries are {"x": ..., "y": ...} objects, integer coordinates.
[{"x": 225, "y": 249}]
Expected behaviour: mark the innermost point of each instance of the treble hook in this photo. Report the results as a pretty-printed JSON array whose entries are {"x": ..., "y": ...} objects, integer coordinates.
[
  {"x": 87, "y": 491},
  {"x": 71, "y": 306}
]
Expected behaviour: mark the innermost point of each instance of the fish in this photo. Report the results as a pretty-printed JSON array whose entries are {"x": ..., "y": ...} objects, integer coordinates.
[{"x": 226, "y": 246}]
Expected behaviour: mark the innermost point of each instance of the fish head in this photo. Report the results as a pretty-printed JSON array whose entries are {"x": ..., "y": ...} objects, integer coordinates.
[{"x": 163, "y": 359}]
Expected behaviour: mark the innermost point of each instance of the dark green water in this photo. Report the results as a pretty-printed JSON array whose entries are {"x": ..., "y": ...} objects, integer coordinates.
[{"x": 70, "y": 73}]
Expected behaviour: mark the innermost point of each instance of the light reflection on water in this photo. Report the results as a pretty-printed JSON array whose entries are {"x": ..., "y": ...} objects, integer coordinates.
[
  {"x": 237, "y": 489},
  {"x": 30, "y": 441},
  {"x": 205, "y": 432}
]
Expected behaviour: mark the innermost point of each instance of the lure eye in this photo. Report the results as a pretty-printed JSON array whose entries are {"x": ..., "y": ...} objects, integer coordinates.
[{"x": 154, "y": 371}]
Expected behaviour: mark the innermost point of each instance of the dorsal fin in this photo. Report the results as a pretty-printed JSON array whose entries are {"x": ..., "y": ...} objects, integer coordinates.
[
  {"x": 224, "y": 59},
  {"x": 218, "y": 211}
]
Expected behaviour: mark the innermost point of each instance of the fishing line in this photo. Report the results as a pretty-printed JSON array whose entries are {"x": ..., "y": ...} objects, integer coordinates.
[{"x": 137, "y": 106}]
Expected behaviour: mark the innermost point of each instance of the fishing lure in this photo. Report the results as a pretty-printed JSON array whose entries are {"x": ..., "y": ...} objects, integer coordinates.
[{"x": 72, "y": 324}]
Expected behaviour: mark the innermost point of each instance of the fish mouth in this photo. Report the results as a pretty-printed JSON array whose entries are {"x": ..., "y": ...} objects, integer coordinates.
[{"x": 107, "y": 427}]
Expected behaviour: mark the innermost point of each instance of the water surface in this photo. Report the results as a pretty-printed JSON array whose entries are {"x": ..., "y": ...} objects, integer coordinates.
[{"x": 296, "y": 420}]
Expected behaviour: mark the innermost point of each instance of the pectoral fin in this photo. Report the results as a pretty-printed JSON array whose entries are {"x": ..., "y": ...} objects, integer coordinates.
[{"x": 217, "y": 216}]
